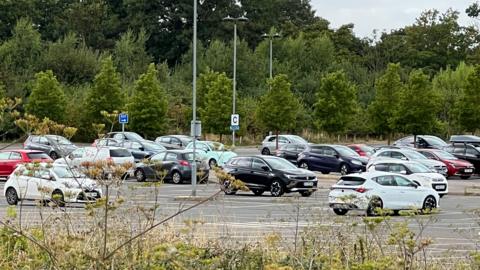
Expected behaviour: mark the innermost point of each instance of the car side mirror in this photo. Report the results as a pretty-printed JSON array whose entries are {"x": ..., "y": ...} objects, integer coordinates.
[
  {"x": 266, "y": 168},
  {"x": 336, "y": 156}
]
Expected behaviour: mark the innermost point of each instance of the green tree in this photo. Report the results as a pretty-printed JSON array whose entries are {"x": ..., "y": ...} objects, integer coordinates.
[
  {"x": 384, "y": 106},
  {"x": 47, "y": 98},
  {"x": 215, "y": 113},
  {"x": 148, "y": 105},
  {"x": 130, "y": 56},
  {"x": 418, "y": 106},
  {"x": 278, "y": 107},
  {"x": 467, "y": 109},
  {"x": 336, "y": 103},
  {"x": 104, "y": 95}
]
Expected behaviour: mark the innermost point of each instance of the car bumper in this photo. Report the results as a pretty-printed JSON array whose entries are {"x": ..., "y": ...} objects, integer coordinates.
[
  {"x": 358, "y": 203},
  {"x": 440, "y": 188},
  {"x": 461, "y": 171}
]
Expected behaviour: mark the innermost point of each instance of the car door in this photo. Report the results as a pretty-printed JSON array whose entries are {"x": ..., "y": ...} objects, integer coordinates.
[
  {"x": 260, "y": 176},
  {"x": 316, "y": 158},
  {"x": 242, "y": 170},
  {"x": 43, "y": 144},
  {"x": 136, "y": 149},
  {"x": 4, "y": 161},
  {"x": 388, "y": 191},
  {"x": 410, "y": 195},
  {"x": 38, "y": 185},
  {"x": 473, "y": 155},
  {"x": 331, "y": 159},
  {"x": 290, "y": 153},
  {"x": 169, "y": 162},
  {"x": 14, "y": 159}
]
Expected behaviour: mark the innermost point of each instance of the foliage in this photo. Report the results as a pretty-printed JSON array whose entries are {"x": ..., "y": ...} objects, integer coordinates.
[
  {"x": 148, "y": 105},
  {"x": 47, "y": 98},
  {"x": 130, "y": 56},
  {"x": 467, "y": 109}
]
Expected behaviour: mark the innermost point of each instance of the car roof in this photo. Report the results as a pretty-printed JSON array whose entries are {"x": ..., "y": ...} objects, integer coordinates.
[
  {"x": 179, "y": 151},
  {"x": 21, "y": 151},
  {"x": 464, "y": 138},
  {"x": 393, "y": 160},
  {"x": 370, "y": 174}
]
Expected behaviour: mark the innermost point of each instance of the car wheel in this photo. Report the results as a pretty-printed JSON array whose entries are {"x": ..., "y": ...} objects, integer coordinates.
[
  {"x": 344, "y": 170},
  {"x": 276, "y": 188},
  {"x": 58, "y": 198},
  {"x": 11, "y": 196},
  {"x": 373, "y": 205},
  {"x": 229, "y": 190},
  {"x": 54, "y": 155},
  {"x": 306, "y": 193},
  {"x": 140, "y": 175},
  {"x": 464, "y": 177},
  {"x": 303, "y": 165},
  {"x": 212, "y": 163},
  {"x": 266, "y": 151},
  {"x": 429, "y": 203},
  {"x": 176, "y": 177},
  {"x": 258, "y": 192},
  {"x": 340, "y": 211}
]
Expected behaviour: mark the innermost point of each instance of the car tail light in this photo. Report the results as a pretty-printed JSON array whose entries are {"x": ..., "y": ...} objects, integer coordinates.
[
  {"x": 361, "y": 190},
  {"x": 184, "y": 163}
]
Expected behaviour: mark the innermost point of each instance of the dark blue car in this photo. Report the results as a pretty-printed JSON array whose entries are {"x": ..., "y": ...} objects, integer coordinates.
[{"x": 331, "y": 158}]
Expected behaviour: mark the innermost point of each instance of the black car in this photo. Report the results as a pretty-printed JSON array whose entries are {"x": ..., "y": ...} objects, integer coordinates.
[
  {"x": 290, "y": 152},
  {"x": 142, "y": 149},
  {"x": 53, "y": 145},
  {"x": 174, "y": 141},
  {"x": 277, "y": 175},
  {"x": 331, "y": 158},
  {"x": 423, "y": 141},
  {"x": 125, "y": 136},
  {"x": 466, "y": 147},
  {"x": 174, "y": 165}
]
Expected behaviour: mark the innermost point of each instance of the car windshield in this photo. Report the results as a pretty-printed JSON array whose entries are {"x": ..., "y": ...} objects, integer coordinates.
[
  {"x": 435, "y": 141},
  {"x": 414, "y": 155},
  {"x": 153, "y": 147},
  {"x": 59, "y": 139},
  {"x": 134, "y": 136},
  {"x": 367, "y": 149},
  {"x": 215, "y": 146},
  {"x": 345, "y": 151},
  {"x": 418, "y": 168},
  {"x": 38, "y": 155},
  {"x": 298, "y": 139},
  {"x": 279, "y": 163},
  {"x": 445, "y": 155},
  {"x": 65, "y": 172}
]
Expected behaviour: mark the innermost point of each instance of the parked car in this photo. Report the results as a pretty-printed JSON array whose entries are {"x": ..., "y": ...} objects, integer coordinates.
[
  {"x": 362, "y": 150},
  {"x": 10, "y": 159},
  {"x": 125, "y": 136},
  {"x": 372, "y": 190},
  {"x": 466, "y": 151},
  {"x": 174, "y": 141},
  {"x": 290, "y": 151},
  {"x": 328, "y": 158},
  {"x": 142, "y": 149},
  {"x": 465, "y": 139},
  {"x": 269, "y": 144},
  {"x": 277, "y": 175},
  {"x": 411, "y": 155},
  {"x": 173, "y": 165},
  {"x": 214, "y": 152},
  {"x": 416, "y": 172},
  {"x": 53, "y": 145},
  {"x": 423, "y": 141},
  {"x": 119, "y": 156},
  {"x": 50, "y": 182},
  {"x": 106, "y": 142},
  {"x": 455, "y": 166}
]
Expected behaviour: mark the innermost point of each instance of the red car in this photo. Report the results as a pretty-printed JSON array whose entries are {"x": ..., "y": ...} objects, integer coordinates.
[
  {"x": 455, "y": 165},
  {"x": 362, "y": 149},
  {"x": 9, "y": 159}
]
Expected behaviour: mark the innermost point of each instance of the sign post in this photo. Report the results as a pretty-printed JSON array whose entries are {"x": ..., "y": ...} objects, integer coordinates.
[
  {"x": 123, "y": 119},
  {"x": 234, "y": 124}
]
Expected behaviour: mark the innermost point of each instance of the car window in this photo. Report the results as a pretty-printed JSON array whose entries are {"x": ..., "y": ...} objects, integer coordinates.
[
  {"x": 398, "y": 155},
  {"x": 350, "y": 181},
  {"x": 202, "y": 146},
  {"x": 327, "y": 151},
  {"x": 43, "y": 140},
  {"x": 317, "y": 150},
  {"x": 4, "y": 155},
  {"x": 472, "y": 152},
  {"x": 257, "y": 164},
  {"x": 171, "y": 157},
  {"x": 397, "y": 168},
  {"x": 120, "y": 153},
  {"x": 165, "y": 139},
  {"x": 385, "y": 180},
  {"x": 300, "y": 148},
  {"x": 15, "y": 156},
  {"x": 384, "y": 154},
  {"x": 118, "y": 136},
  {"x": 38, "y": 155},
  {"x": 381, "y": 167},
  {"x": 271, "y": 139},
  {"x": 34, "y": 139},
  {"x": 282, "y": 139},
  {"x": 159, "y": 157},
  {"x": 244, "y": 162},
  {"x": 427, "y": 154},
  {"x": 402, "y": 182},
  {"x": 176, "y": 141},
  {"x": 136, "y": 145}
]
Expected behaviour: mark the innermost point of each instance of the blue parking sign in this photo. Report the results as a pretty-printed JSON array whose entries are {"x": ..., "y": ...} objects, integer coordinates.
[{"x": 123, "y": 118}]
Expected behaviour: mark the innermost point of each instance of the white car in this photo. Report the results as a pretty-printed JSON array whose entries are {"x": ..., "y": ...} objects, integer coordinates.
[
  {"x": 48, "y": 181},
  {"x": 117, "y": 155},
  {"x": 415, "y": 171},
  {"x": 371, "y": 190}
]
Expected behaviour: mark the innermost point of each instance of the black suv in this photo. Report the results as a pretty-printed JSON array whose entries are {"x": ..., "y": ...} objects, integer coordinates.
[
  {"x": 466, "y": 147},
  {"x": 277, "y": 175}
]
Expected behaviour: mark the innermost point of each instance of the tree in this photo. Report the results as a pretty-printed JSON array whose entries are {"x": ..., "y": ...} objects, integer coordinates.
[
  {"x": 148, "y": 105},
  {"x": 418, "y": 106},
  {"x": 336, "y": 103},
  {"x": 467, "y": 109},
  {"x": 217, "y": 107},
  {"x": 278, "y": 107},
  {"x": 130, "y": 56},
  {"x": 384, "y": 106},
  {"x": 47, "y": 98},
  {"x": 105, "y": 95}
]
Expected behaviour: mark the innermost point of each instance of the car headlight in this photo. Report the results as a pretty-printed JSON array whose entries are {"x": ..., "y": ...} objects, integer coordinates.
[
  {"x": 356, "y": 162},
  {"x": 289, "y": 176}
]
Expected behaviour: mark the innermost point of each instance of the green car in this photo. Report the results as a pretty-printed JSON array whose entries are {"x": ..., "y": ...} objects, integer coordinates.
[{"x": 214, "y": 152}]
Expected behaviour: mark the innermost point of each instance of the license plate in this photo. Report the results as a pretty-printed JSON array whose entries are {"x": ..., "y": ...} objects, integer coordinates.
[
  {"x": 91, "y": 194},
  {"x": 440, "y": 187},
  {"x": 308, "y": 184},
  {"x": 468, "y": 170}
]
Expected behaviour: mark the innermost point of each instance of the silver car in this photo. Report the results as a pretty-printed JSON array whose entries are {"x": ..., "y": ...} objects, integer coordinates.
[
  {"x": 53, "y": 145},
  {"x": 269, "y": 143}
]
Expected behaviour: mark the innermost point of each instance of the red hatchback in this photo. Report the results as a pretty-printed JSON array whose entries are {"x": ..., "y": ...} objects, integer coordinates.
[
  {"x": 362, "y": 149},
  {"x": 455, "y": 165},
  {"x": 9, "y": 159}
]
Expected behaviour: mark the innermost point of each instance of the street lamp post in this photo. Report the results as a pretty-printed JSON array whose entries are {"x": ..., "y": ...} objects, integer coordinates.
[
  {"x": 194, "y": 101},
  {"x": 234, "y": 20},
  {"x": 271, "y": 37}
]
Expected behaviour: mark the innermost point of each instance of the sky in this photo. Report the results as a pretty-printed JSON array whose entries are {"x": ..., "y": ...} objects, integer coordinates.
[{"x": 368, "y": 15}]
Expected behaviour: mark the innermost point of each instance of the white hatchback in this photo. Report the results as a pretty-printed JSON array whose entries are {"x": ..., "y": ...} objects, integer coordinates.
[
  {"x": 49, "y": 181},
  {"x": 372, "y": 190}
]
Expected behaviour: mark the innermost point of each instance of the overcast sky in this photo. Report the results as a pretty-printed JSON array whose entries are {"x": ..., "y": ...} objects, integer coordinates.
[{"x": 368, "y": 15}]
